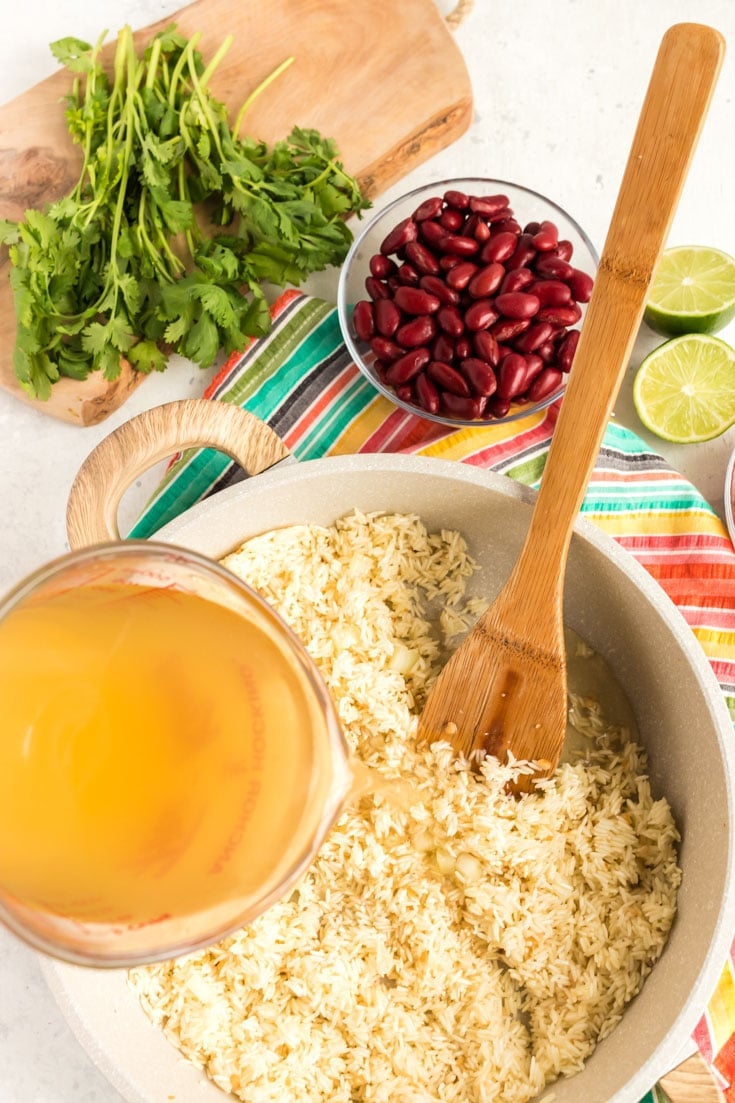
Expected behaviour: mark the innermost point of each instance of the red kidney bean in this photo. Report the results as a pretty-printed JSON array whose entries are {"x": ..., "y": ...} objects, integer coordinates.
[
  {"x": 450, "y": 320},
  {"x": 518, "y": 279},
  {"x": 426, "y": 393},
  {"x": 379, "y": 367},
  {"x": 400, "y": 235},
  {"x": 534, "y": 365},
  {"x": 462, "y": 347},
  {"x": 430, "y": 208},
  {"x": 385, "y": 349},
  {"x": 545, "y": 383},
  {"x": 564, "y": 250},
  {"x": 507, "y": 329},
  {"x": 505, "y": 216},
  {"x": 546, "y": 237},
  {"x": 488, "y": 205},
  {"x": 447, "y": 262},
  {"x": 419, "y": 331},
  {"x": 546, "y": 351},
  {"x": 407, "y": 275},
  {"x": 431, "y": 232},
  {"x": 499, "y": 248},
  {"x": 387, "y": 317},
  {"x": 485, "y": 281},
  {"x": 421, "y": 258},
  {"x": 524, "y": 252},
  {"x": 533, "y": 337},
  {"x": 507, "y": 225},
  {"x": 442, "y": 348},
  {"x": 481, "y": 314},
  {"x": 553, "y": 267},
  {"x": 498, "y": 407},
  {"x": 459, "y": 277},
  {"x": 468, "y": 409},
  {"x": 477, "y": 228},
  {"x": 580, "y": 285},
  {"x": 448, "y": 378},
  {"x": 567, "y": 349},
  {"x": 414, "y": 300},
  {"x": 381, "y": 267},
  {"x": 458, "y": 199},
  {"x": 479, "y": 374},
  {"x": 532, "y": 228},
  {"x": 407, "y": 366},
  {"x": 405, "y": 392},
  {"x": 377, "y": 289},
  {"x": 511, "y": 375},
  {"x": 551, "y": 292},
  {"x": 517, "y": 304},
  {"x": 451, "y": 220},
  {"x": 460, "y": 245},
  {"x": 363, "y": 319},
  {"x": 486, "y": 346},
  {"x": 560, "y": 315},
  {"x": 436, "y": 286}
]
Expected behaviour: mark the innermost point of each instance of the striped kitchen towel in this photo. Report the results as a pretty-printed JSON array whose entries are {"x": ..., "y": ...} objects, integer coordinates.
[{"x": 301, "y": 381}]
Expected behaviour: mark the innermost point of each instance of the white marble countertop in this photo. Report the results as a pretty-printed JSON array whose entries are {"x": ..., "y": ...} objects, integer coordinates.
[{"x": 558, "y": 85}]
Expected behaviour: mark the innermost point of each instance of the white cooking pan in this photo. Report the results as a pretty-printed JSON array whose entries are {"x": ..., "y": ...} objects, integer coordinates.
[{"x": 610, "y": 600}]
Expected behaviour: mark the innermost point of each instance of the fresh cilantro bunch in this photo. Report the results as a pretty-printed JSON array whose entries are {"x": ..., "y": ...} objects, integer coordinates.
[{"x": 174, "y": 223}]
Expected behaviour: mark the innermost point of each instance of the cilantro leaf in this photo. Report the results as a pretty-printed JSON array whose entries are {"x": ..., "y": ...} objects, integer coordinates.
[{"x": 73, "y": 53}]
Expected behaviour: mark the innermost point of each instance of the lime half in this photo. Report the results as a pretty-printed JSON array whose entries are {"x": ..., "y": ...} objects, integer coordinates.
[
  {"x": 693, "y": 291},
  {"x": 684, "y": 391}
]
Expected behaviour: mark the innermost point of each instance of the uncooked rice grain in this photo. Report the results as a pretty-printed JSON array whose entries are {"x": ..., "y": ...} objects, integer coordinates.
[{"x": 465, "y": 946}]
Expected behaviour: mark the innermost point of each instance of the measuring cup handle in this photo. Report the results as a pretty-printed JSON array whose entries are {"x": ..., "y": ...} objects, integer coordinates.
[{"x": 123, "y": 455}]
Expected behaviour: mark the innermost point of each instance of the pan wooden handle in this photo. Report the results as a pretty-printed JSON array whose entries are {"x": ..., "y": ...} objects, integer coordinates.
[
  {"x": 95, "y": 496},
  {"x": 692, "y": 1082}
]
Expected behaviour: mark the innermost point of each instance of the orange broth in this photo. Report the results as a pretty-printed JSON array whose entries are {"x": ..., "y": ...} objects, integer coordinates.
[{"x": 159, "y": 754}]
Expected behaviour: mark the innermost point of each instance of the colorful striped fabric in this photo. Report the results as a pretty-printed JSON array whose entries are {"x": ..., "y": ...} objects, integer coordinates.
[{"x": 301, "y": 381}]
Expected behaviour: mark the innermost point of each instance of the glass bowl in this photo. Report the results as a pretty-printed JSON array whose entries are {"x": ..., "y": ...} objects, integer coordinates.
[{"x": 527, "y": 206}]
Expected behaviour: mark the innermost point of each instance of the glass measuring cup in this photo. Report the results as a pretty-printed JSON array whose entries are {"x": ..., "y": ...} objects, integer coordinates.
[{"x": 170, "y": 759}]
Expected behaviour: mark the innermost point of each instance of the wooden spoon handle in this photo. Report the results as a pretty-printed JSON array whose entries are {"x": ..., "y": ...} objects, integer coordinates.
[
  {"x": 123, "y": 455},
  {"x": 679, "y": 92}
]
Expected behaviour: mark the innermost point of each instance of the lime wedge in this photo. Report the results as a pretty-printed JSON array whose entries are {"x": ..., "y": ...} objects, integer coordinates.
[
  {"x": 693, "y": 291},
  {"x": 684, "y": 391}
]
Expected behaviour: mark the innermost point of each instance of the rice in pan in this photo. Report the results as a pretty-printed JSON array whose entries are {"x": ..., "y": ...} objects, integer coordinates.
[{"x": 462, "y": 945}]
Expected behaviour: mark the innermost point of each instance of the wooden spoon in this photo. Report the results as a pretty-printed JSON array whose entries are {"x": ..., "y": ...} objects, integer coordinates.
[{"x": 504, "y": 689}]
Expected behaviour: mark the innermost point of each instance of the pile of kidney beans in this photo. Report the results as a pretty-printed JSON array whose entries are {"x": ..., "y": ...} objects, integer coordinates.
[{"x": 468, "y": 312}]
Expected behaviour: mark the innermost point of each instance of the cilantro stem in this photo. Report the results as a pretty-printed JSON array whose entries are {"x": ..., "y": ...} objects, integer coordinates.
[
  {"x": 331, "y": 168},
  {"x": 179, "y": 67},
  {"x": 133, "y": 72},
  {"x": 204, "y": 105},
  {"x": 207, "y": 74},
  {"x": 145, "y": 238},
  {"x": 89, "y": 96},
  {"x": 153, "y": 60},
  {"x": 260, "y": 88}
]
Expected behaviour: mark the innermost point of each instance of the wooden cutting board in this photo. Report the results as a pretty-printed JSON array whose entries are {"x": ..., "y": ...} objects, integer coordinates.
[{"x": 384, "y": 78}]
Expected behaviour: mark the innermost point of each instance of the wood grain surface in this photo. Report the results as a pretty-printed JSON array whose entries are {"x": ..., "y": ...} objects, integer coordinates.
[{"x": 387, "y": 81}]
